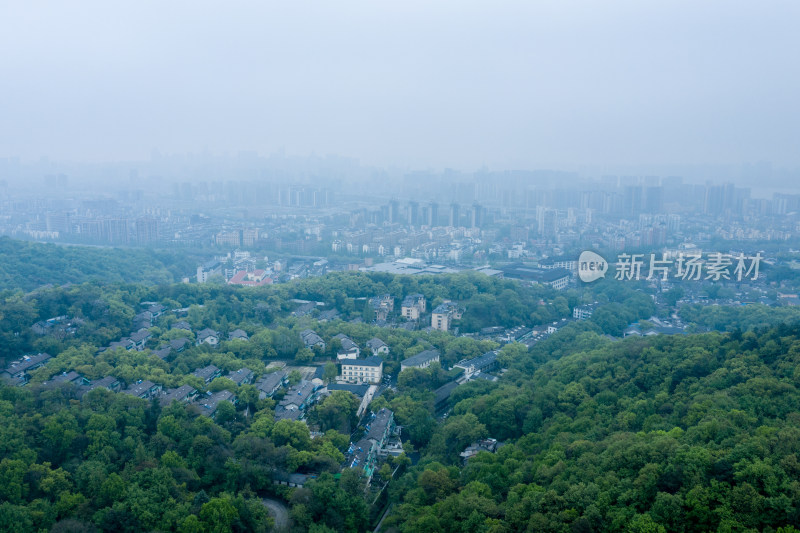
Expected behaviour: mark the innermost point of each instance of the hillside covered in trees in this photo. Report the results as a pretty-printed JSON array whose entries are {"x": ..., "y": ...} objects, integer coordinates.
[
  {"x": 29, "y": 265},
  {"x": 669, "y": 433},
  {"x": 697, "y": 432}
]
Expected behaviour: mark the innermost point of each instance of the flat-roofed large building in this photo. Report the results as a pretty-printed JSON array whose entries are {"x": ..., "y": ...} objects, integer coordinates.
[
  {"x": 558, "y": 278},
  {"x": 369, "y": 370}
]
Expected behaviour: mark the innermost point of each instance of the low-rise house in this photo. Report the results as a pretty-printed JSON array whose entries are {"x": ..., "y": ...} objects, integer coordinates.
[
  {"x": 207, "y": 336},
  {"x": 481, "y": 363},
  {"x": 238, "y": 334},
  {"x": 298, "y": 398},
  {"x": 328, "y": 315},
  {"x": 444, "y": 314},
  {"x": 584, "y": 312},
  {"x": 357, "y": 390},
  {"x": 67, "y": 377},
  {"x": 369, "y": 370},
  {"x": 184, "y": 393},
  {"x": 632, "y": 331},
  {"x": 363, "y": 456},
  {"x": 382, "y": 306},
  {"x": 377, "y": 346},
  {"x": 162, "y": 352},
  {"x": 421, "y": 360},
  {"x": 207, "y": 374},
  {"x": 516, "y": 334},
  {"x": 292, "y": 480},
  {"x": 243, "y": 376},
  {"x": 441, "y": 396},
  {"x": 365, "y": 453},
  {"x": 109, "y": 383},
  {"x": 268, "y": 384},
  {"x": 143, "y": 320},
  {"x": 413, "y": 306},
  {"x": 349, "y": 349},
  {"x": 381, "y": 427},
  {"x": 156, "y": 309},
  {"x": 311, "y": 340},
  {"x": 181, "y": 324},
  {"x": 124, "y": 343},
  {"x": 143, "y": 389},
  {"x": 304, "y": 309},
  {"x": 557, "y": 325},
  {"x": 482, "y": 445},
  {"x": 41, "y": 328},
  {"x": 255, "y": 278},
  {"x": 140, "y": 339},
  {"x": 179, "y": 344},
  {"x": 17, "y": 371},
  {"x": 208, "y": 404}
]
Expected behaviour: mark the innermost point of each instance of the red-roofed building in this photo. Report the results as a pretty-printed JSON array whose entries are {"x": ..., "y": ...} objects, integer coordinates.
[{"x": 254, "y": 278}]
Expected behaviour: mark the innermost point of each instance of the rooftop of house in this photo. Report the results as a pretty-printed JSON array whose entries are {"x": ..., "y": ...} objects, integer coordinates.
[
  {"x": 375, "y": 343},
  {"x": 374, "y": 360},
  {"x": 298, "y": 394},
  {"x": 238, "y": 334},
  {"x": 412, "y": 299},
  {"x": 357, "y": 390},
  {"x": 210, "y": 403},
  {"x": 207, "y": 332},
  {"x": 269, "y": 382},
  {"x": 480, "y": 361},
  {"x": 179, "y": 394},
  {"x": 241, "y": 375},
  {"x": 421, "y": 358},
  {"x": 206, "y": 372},
  {"x": 137, "y": 389},
  {"x": 377, "y": 428},
  {"x": 27, "y": 362}
]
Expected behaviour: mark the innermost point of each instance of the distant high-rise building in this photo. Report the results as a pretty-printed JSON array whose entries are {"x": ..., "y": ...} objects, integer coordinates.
[
  {"x": 59, "y": 222},
  {"x": 476, "y": 216},
  {"x": 519, "y": 233},
  {"x": 433, "y": 214},
  {"x": 454, "y": 219},
  {"x": 413, "y": 213},
  {"x": 146, "y": 230},
  {"x": 674, "y": 223},
  {"x": 547, "y": 222},
  {"x": 632, "y": 199},
  {"x": 654, "y": 200},
  {"x": 249, "y": 237},
  {"x": 394, "y": 212},
  {"x": 115, "y": 231}
]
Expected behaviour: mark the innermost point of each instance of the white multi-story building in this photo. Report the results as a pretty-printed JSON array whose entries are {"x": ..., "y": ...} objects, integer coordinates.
[{"x": 369, "y": 370}]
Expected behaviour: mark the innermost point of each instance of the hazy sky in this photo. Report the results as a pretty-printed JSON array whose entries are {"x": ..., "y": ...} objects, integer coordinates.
[{"x": 520, "y": 84}]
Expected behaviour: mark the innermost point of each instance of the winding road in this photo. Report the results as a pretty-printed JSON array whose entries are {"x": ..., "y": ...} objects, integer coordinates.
[{"x": 278, "y": 512}]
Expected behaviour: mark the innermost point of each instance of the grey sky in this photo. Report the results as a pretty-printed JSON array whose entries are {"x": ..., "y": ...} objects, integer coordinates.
[{"x": 419, "y": 83}]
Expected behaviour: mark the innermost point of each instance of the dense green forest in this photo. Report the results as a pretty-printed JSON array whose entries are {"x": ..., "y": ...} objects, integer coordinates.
[
  {"x": 29, "y": 265},
  {"x": 696, "y": 432},
  {"x": 669, "y": 433}
]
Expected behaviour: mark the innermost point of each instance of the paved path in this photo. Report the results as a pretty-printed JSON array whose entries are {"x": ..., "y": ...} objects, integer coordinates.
[
  {"x": 385, "y": 513},
  {"x": 278, "y": 512}
]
